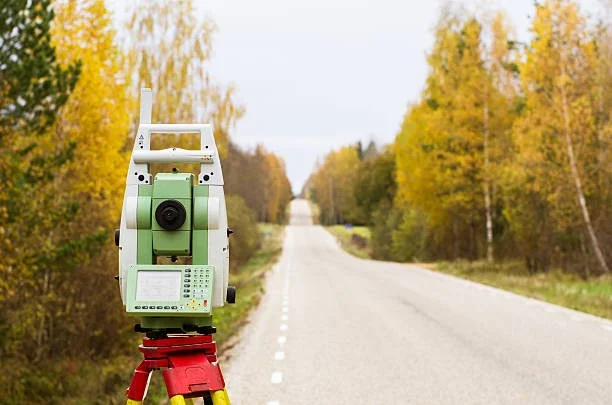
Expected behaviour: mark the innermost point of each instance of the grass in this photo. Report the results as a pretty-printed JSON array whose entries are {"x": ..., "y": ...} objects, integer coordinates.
[
  {"x": 348, "y": 242},
  {"x": 593, "y": 296},
  {"x": 249, "y": 283}
]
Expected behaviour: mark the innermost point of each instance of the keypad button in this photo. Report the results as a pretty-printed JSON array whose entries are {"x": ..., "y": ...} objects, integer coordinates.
[
  {"x": 160, "y": 307},
  {"x": 186, "y": 285},
  {"x": 137, "y": 307},
  {"x": 174, "y": 307},
  {"x": 185, "y": 295},
  {"x": 167, "y": 307},
  {"x": 186, "y": 290},
  {"x": 145, "y": 307}
]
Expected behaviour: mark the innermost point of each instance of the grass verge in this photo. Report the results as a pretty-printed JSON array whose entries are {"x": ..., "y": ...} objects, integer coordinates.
[
  {"x": 593, "y": 296},
  {"x": 249, "y": 281},
  {"x": 354, "y": 240}
]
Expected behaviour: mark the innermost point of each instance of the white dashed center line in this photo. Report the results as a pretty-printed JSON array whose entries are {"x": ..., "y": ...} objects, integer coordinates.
[{"x": 277, "y": 377}]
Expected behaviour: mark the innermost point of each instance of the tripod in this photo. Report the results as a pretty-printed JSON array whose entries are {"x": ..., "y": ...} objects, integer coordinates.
[{"x": 190, "y": 370}]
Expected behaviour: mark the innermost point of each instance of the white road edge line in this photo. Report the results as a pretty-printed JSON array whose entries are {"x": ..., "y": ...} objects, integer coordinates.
[
  {"x": 272, "y": 403},
  {"x": 281, "y": 340},
  {"x": 279, "y": 355},
  {"x": 283, "y": 326}
]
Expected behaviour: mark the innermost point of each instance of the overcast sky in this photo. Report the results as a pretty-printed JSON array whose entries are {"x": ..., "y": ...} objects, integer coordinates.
[{"x": 318, "y": 74}]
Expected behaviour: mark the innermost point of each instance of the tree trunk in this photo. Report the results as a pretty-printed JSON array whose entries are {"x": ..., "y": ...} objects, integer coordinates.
[
  {"x": 578, "y": 183},
  {"x": 332, "y": 214},
  {"x": 487, "y": 184}
]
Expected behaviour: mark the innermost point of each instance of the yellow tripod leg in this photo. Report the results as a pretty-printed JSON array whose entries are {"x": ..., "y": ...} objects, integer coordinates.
[
  {"x": 220, "y": 397},
  {"x": 180, "y": 400},
  {"x": 133, "y": 402}
]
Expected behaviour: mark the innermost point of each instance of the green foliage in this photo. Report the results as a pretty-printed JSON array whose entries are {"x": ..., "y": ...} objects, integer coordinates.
[
  {"x": 34, "y": 85},
  {"x": 375, "y": 183},
  {"x": 384, "y": 223},
  {"x": 245, "y": 240}
]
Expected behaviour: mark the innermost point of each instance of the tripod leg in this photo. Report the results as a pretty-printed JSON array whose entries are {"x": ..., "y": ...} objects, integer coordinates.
[
  {"x": 139, "y": 384},
  {"x": 220, "y": 397},
  {"x": 181, "y": 400}
]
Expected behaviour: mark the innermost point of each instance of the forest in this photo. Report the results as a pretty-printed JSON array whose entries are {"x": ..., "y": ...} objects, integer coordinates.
[
  {"x": 505, "y": 156},
  {"x": 68, "y": 111}
]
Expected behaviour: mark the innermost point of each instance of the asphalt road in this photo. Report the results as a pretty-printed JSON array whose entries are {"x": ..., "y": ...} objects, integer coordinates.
[{"x": 334, "y": 329}]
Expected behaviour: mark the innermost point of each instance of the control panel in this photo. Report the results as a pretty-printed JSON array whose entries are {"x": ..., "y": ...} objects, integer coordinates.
[{"x": 169, "y": 290}]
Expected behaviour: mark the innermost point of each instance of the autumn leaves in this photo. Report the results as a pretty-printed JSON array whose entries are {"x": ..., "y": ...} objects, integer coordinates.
[{"x": 506, "y": 155}]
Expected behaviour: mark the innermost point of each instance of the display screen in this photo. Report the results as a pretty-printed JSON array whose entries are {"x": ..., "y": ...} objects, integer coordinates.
[{"x": 158, "y": 286}]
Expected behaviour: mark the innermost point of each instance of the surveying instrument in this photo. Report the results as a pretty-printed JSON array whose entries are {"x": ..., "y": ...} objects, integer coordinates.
[{"x": 181, "y": 217}]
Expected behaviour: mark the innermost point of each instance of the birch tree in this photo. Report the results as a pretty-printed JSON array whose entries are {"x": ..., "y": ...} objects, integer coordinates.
[
  {"x": 169, "y": 48},
  {"x": 558, "y": 130}
]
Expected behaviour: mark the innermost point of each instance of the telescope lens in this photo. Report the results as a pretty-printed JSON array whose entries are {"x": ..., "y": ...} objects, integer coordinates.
[{"x": 170, "y": 215}]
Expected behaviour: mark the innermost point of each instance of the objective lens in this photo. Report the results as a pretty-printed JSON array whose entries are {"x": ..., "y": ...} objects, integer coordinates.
[{"x": 170, "y": 215}]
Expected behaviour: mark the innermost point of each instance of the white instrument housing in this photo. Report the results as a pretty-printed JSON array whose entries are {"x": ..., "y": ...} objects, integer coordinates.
[{"x": 210, "y": 175}]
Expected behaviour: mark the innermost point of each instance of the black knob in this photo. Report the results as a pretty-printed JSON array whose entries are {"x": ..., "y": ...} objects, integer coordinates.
[
  {"x": 231, "y": 294},
  {"x": 170, "y": 215},
  {"x": 229, "y": 232},
  {"x": 117, "y": 237}
]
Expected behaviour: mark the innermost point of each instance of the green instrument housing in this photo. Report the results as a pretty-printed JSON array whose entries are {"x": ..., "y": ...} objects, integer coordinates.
[
  {"x": 174, "y": 187},
  {"x": 193, "y": 306}
]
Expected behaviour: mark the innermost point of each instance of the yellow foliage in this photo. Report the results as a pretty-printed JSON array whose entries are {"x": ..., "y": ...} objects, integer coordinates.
[
  {"x": 170, "y": 48},
  {"x": 332, "y": 186},
  {"x": 96, "y": 116}
]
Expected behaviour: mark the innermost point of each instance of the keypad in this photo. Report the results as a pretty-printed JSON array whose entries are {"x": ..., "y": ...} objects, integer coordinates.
[{"x": 196, "y": 287}]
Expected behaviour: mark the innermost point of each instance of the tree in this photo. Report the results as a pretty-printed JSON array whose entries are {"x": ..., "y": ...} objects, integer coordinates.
[
  {"x": 557, "y": 135},
  {"x": 169, "y": 49},
  {"x": 375, "y": 183},
  {"x": 35, "y": 89},
  {"x": 96, "y": 121},
  {"x": 440, "y": 146},
  {"x": 34, "y": 86},
  {"x": 332, "y": 186},
  {"x": 259, "y": 177}
]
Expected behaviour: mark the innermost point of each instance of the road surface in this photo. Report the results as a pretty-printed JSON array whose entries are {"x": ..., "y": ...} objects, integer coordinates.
[{"x": 334, "y": 329}]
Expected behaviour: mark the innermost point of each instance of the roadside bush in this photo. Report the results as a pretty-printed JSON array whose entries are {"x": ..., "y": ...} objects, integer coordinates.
[{"x": 246, "y": 239}]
